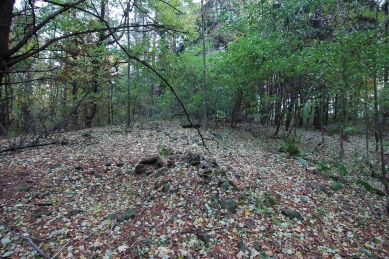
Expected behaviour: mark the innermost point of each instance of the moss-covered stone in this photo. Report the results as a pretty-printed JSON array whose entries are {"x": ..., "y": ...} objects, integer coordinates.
[
  {"x": 292, "y": 214},
  {"x": 24, "y": 188},
  {"x": 42, "y": 213}
]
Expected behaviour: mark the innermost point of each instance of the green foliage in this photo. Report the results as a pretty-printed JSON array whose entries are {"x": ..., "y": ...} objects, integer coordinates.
[
  {"x": 340, "y": 167},
  {"x": 164, "y": 152},
  {"x": 323, "y": 166},
  {"x": 268, "y": 200},
  {"x": 265, "y": 203},
  {"x": 333, "y": 177},
  {"x": 336, "y": 186},
  {"x": 367, "y": 161},
  {"x": 290, "y": 147},
  {"x": 321, "y": 212},
  {"x": 370, "y": 188},
  {"x": 301, "y": 160},
  {"x": 349, "y": 129}
]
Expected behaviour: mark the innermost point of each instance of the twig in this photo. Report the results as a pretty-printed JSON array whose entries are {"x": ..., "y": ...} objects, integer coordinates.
[
  {"x": 60, "y": 250},
  {"x": 216, "y": 142},
  {"x": 36, "y": 248},
  {"x": 11, "y": 163},
  {"x": 26, "y": 146},
  {"x": 151, "y": 195}
]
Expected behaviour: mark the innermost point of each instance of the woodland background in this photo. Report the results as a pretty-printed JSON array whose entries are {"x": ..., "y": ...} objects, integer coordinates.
[
  {"x": 308, "y": 75},
  {"x": 286, "y": 63}
]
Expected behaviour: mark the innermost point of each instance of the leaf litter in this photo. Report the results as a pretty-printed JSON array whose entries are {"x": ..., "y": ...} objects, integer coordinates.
[{"x": 85, "y": 201}]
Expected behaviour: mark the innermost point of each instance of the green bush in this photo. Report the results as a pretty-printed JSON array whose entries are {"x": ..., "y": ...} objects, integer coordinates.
[{"x": 290, "y": 147}]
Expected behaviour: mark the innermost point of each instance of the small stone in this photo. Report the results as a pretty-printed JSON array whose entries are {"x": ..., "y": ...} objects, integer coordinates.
[
  {"x": 149, "y": 172},
  {"x": 194, "y": 162},
  {"x": 108, "y": 163},
  {"x": 42, "y": 213},
  {"x": 93, "y": 189},
  {"x": 129, "y": 213},
  {"x": 44, "y": 204},
  {"x": 242, "y": 247},
  {"x": 148, "y": 160},
  {"x": 202, "y": 235},
  {"x": 213, "y": 163},
  {"x": 220, "y": 172},
  {"x": 250, "y": 223},
  {"x": 312, "y": 170},
  {"x": 161, "y": 162},
  {"x": 224, "y": 185},
  {"x": 111, "y": 216},
  {"x": 229, "y": 204},
  {"x": 292, "y": 214},
  {"x": 75, "y": 212},
  {"x": 140, "y": 169},
  {"x": 24, "y": 188}
]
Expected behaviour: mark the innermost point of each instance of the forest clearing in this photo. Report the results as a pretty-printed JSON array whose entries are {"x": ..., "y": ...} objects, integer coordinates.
[{"x": 155, "y": 192}]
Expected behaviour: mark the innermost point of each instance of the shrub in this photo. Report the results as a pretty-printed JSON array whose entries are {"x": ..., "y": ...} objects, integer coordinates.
[{"x": 290, "y": 147}]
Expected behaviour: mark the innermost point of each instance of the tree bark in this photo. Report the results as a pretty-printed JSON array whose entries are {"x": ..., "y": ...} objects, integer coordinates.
[
  {"x": 290, "y": 109},
  {"x": 6, "y": 8},
  {"x": 316, "y": 115},
  {"x": 204, "y": 68},
  {"x": 236, "y": 111}
]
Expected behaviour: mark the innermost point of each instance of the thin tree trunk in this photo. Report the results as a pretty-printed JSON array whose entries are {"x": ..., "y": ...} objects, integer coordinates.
[
  {"x": 128, "y": 121},
  {"x": 290, "y": 110},
  {"x": 384, "y": 177},
  {"x": 321, "y": 124},
  {"x": 204, "y": 68},
  {"x": 236, "y": 111},
  {"x": 367, "y": 121},
  {"x": 6, "y": 7}
]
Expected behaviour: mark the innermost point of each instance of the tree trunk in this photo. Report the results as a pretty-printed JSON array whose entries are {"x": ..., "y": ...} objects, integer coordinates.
[
  {"x": 236, "y": 111},
  {"x": 385, "y": 7},
  {"x": 6, "y": 9},
  {"x": 91, "y": 106},
  {"x": 74, "y": 96},
  {"x": 128, "y": 101},
  {"x": 204, "y": 68},
  {"x": 290, "y": 110},
  {"x": 384, "y": 177},
  {"x": 278, "y": 105},
  {"x": 317, "y": 123}
]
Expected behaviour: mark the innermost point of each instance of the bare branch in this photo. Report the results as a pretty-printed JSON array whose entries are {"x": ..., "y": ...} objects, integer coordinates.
[
  {"x": 36, "y": 28},
  {"x": 16, "y": 59},
  {"x": 36, "y": 248}
]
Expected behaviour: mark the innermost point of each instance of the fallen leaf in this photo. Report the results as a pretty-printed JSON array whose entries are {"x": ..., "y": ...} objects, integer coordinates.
[{"x": 123, "y": 248}]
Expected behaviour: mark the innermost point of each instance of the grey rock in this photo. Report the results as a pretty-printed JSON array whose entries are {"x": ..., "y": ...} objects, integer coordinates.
[
  {"x": 229, "y": 204},
  {"x": 292, "y": 214}
]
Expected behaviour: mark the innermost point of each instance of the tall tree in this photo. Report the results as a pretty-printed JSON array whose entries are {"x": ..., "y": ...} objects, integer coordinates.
[{"x": 205, "y": 119}]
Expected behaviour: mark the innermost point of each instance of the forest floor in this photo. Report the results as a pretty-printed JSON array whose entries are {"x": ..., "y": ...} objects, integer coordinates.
[{"x": 247, "y": 198}]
